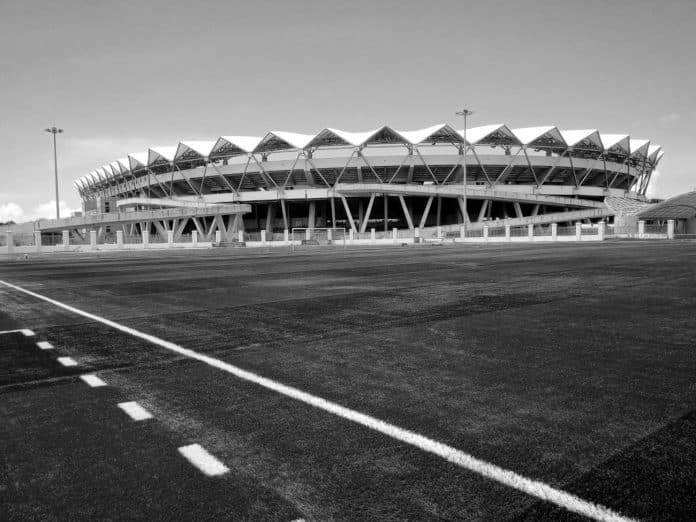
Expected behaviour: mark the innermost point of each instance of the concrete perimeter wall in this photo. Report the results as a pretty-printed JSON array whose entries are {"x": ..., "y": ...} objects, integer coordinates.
[{"x": 508, "y": 234}]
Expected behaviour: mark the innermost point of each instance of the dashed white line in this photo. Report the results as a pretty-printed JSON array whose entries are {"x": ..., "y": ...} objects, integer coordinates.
[
  {"x": 534, "y": 488},
  {"x": 92, "y": 380},
  {"x": 135, "y": 411},
  {"x": 204, "y": 461},
  {"x": 67, "y": 361},
  {"x": 44, "y": 345},
  {"x": 27, "y": 333}
]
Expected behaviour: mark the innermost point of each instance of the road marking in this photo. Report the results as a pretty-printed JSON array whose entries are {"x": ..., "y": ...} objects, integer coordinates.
[
  {"x": 92, "y": 380},
  {"x": 44, "y": 345},
  {"x": 204, "y": 461},
  {"x": 460, "y": 458},
  {"x": 67, "y": 361},
  {"x": 27, "y": 333},
  {"x": 135, "y": 410}
]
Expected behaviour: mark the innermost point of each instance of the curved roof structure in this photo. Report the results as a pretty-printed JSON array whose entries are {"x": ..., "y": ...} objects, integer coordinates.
[{"x": 585, "y": 143}]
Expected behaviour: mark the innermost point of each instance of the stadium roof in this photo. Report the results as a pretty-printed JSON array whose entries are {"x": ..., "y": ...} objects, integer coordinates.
[
  {"x": 682, "y": 206},
  {"x": 548, "y": 138}
]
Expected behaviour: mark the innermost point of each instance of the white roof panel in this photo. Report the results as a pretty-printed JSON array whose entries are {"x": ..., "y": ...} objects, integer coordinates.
[
  {"x": 577, "y": 137},
  {"x": 124, "y": 163},
  {"x": 355, "y": 138},
  {"x": 160, "y": 155},
  {"x": 137, "y": 160},
  {"x": 614, "y": 142},
  {"x": 234, "y": 145},
  {"x": 653, "y": 151},
  {"x": 282, "y": 140},
  {"x": 639, "y": 148},
  {"x": 436, "y": 133},
  {"x": 476, "y": 135},
  {"x": 200, "y": 149},
  {"x": 528, "y": 135},
  {"x": 328, "y": 137}
]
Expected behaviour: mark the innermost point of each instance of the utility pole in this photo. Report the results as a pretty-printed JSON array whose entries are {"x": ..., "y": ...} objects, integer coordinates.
[
  {"x": 465, "y": 113},
  {"x": 54, "y": 131}
]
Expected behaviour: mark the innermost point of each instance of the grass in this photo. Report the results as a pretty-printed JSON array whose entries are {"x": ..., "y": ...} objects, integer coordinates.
[{"x": 570, "y": 364}]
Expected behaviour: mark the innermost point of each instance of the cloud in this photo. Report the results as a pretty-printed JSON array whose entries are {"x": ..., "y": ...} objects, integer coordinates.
[
  {"x": 11, "y": 212},
  {"x": 670, "y": 118},
  {"x": 14, "y": 212}
]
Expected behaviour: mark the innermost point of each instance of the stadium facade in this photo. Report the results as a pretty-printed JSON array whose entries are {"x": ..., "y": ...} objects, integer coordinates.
[{"x": 384, "y": 179}]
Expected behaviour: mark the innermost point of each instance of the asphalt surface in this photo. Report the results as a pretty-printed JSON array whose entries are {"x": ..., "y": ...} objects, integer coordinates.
[{"x": 569, "y": 364}]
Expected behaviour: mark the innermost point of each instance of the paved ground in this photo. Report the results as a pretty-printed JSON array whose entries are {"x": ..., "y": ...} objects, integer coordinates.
[{"x": 569, "y": 364}]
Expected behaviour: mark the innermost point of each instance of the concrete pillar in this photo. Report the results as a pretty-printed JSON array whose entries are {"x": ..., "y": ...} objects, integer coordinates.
[
  {"x": 312, "y": 214},
  {"x": 554, "y": 231},
  {"x": 373, "y": 237},
  {"x": 530, "y": 231},
  {"x": 119, "y": 238},
  {"x": 307, "y": 234},
  {"x": 66, "y": 239},
  {"x": 485, "y": 232},
  {"x": 329, "y": 234},
  {"x": 92, "y": 239},
  {"x": 218, "y": 236},
  {"x": 601, "y": 230},
  {"x": 240, "y": 236},
  {"x": 194, "y": 238},
  {"x": 263, "y": 237},
  {"x": 462, "y": 232},
  {"x": 439, "y": 230},
  {"x": 286, "y": 235},
  {"x": 170, "y": 238},
  {"x": 507, "y": 232},
  {"x": 270, "y": 217},
  {"x": 350, "y": 235},
  {"x": 670, "y": 229},
  {"x": 641, "y": 229},
  {"x": 10, "y": 242},
  {"x": 395, "y": 235},
  {"x": 416, "y": 232},
  {"x": 37, "y": 240},
  {"x": 146, "y": 238},
  {"x": 578, "y": 231}
]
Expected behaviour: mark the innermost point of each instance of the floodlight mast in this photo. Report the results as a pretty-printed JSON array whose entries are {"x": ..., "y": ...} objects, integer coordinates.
[
  {"x": 465, "y": 218},
  {"x": 54, "y": 131}
]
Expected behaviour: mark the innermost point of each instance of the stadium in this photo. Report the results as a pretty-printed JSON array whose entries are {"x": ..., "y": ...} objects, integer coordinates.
[{"x": 383, "y": 179}]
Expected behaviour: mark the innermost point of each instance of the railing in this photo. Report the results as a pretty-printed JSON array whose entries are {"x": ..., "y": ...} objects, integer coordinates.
[
  {"x": 23, "y": 239},
  {"x": 655, "y": 229},
  {"x": 252, "y": 236},
  {"x": 566, "y": 231},
  {"x": 540, "y": 231}
]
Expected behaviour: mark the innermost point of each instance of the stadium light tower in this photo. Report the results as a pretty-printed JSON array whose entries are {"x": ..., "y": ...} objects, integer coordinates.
[
  {"x": 54, "y": 131},
  {"x": 465, "y": 113}
]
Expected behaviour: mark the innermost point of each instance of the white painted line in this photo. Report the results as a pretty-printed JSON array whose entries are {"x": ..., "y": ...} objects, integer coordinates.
[
  {"x": 67, "y": 361},
  {"x": 204, "y": 461},
  {"x": 460, "y": 458},
  {"x": 27, "y": 333},
  {"x": 135, "y": 411},
  {"x": 44, "y": 345},
  {"x": 92, "y": 380}
]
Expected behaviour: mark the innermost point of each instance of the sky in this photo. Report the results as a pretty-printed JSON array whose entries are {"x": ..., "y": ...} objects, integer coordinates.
[{"x": 120, "y": 77}]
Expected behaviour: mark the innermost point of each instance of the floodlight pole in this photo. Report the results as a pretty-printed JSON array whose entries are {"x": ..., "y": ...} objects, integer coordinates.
[
  {"x": 464, "y": 113},
  {"x": 54, "y": 131}
]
